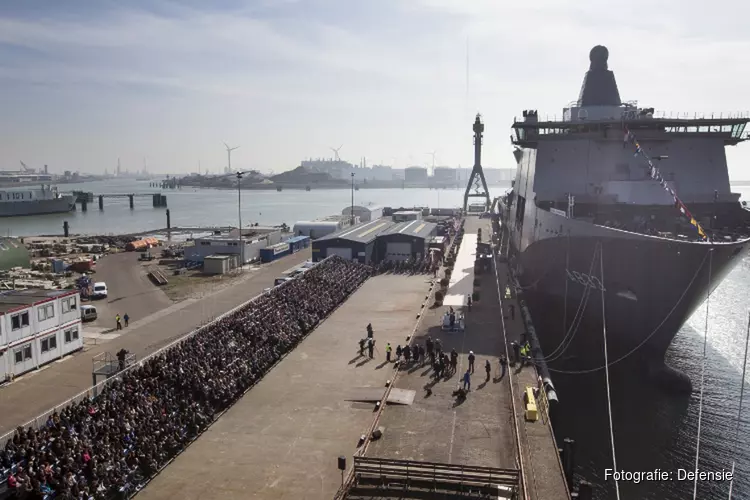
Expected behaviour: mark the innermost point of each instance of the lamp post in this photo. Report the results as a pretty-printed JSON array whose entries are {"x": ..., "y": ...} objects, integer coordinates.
[
  {"x": 239, "y": 203},
  {"x": 352, "y": 210},
  {"x": 239, "y": 217}
]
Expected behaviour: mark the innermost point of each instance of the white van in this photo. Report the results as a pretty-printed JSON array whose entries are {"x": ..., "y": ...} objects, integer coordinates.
[
  {"x": 88, "y": 313},
  {"x": 100, "y": 290}
]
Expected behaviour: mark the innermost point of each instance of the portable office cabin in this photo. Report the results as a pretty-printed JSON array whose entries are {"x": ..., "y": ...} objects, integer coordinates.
[
  {"x": 405, "y": 240},
  {"x": 36, "y": 327},
  {"x": 220, "y": 264},
  {"x": 353, "y": 243}
]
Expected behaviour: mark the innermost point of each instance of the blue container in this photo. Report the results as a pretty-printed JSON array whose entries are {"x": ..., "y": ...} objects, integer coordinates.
[
  {"x": 297, "y": 243},
  {"x": 269, "y": 254},
  {"x": 58, "y": 266}
]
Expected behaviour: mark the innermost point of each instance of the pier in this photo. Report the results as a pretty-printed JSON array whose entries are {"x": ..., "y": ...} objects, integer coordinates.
[
  {"x": 462, "y": 446},
  {"x": 158, "y": 200}
]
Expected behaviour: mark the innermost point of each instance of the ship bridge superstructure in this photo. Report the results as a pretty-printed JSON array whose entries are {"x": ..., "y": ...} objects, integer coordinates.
[
  {"x": 583, "y": 165},
  {"x": 583, "y": 154}
]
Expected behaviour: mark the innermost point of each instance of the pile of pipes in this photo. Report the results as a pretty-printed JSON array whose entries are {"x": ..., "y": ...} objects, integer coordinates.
[{"x": 19, "y": 277}]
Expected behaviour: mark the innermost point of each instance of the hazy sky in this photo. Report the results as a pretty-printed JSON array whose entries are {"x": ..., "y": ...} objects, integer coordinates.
[{"x": 85, "y": 82}]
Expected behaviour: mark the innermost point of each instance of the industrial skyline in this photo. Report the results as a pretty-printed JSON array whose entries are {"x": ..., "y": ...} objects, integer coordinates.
[{"x": 85, "y": 84}]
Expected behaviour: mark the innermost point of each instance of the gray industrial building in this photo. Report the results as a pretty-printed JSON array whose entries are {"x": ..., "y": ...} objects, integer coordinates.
[
  {"x": 254, "y": 239},
  {"x": 405, "y": 240},
  {"x": 365, "y": 214},
  {"x": 357, "y": 242},
  {"x": 372, "y": 242}
]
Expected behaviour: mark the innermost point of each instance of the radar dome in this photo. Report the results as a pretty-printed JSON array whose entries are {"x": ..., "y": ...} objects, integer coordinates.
[{"x": 598, "y": 57}]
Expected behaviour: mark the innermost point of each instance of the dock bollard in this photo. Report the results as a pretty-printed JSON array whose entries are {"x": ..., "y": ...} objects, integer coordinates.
[
  {"x": 66, "y": 229},
  {"x": 569, "y": 459},
  {"x": 585, "y": 492}
]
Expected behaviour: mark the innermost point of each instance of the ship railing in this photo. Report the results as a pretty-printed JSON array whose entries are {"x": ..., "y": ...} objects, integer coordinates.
[{"x": 633, "y": 114}]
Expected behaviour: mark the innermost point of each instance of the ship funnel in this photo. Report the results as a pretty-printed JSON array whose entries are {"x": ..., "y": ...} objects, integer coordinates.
[{"x": 599, "y": 86}]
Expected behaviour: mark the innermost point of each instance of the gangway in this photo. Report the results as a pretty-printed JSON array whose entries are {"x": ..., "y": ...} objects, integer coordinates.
[{"x": 405, "y": 479}]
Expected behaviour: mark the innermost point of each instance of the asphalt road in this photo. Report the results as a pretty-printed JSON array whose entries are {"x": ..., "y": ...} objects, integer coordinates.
[{"x": 129, "y": 290}]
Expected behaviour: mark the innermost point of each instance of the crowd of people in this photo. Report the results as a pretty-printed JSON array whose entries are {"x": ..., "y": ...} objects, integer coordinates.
[
  {"x": 106, "y": 447},
  {"x": 427, "y": 265}
]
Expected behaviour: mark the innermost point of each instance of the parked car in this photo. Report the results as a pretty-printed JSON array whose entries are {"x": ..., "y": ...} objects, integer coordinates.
[
  {"x": 100, "y": 290},
  {"x": 88, "y": 313}
]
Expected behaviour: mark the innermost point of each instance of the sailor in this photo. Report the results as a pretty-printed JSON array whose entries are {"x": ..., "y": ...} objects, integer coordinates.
[
  {"x": 503, "y": 363},
  {"x": 127, "y": 319},
  {"x": 430, "y": 346},
  {"x": 454, "y": 360},
  {"x": 362, "y": 344},
  {"x": 527, "y": 346},
  {"x": 472, "y": 358},
  {"x": 407, "y": 353},
  {"x": 388, "y": 352},
  {"x": 415, "y": 353},
  {"x": 467, "y": 380},
  {"x": 468, "y": 301},
  {"x": 488, "y": 368},
  {"x": 370, "y": 347},
  {"x": 399, "y": 351},
  {"x": 452, "y": 319},
  {"x": 121, "y": 358},
  {"x": 420, "y": 352},
  {"x": 370, "y": 333},
  {"x": 516, "y": 352},
  {"x": 438, "y": 347}
]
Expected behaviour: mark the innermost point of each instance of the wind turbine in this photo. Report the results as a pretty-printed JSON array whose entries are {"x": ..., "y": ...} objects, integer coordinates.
[
  {"x": 229, "y": 155},
  {"x": 336, "y": 152},
  {"x": 432, "y": 153}
]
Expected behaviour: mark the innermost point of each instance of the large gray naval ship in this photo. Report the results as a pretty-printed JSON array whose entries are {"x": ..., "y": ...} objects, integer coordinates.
[
  {"x": 585, "y": 216},
  {"x": 34, "y": 201}
]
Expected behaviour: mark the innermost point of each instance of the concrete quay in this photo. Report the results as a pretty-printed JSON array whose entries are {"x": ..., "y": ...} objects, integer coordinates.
[
  {"x": 488, "y": 427},
  {"x": 281, "y": 440},
  {"x": 34, "y": 393}
]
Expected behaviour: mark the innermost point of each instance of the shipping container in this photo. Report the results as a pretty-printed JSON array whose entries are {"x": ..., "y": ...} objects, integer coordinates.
[
  {"x": 274, "y": 252},
  {"x": 298, "y": 243}
]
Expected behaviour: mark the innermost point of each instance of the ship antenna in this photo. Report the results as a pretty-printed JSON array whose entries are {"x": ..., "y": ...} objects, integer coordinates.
[
  {"x": 606, "y": 371},
  {"x": 703, "y": 376},
  {"x": 739, "y": 412},
  {"x": 466, "y": 103}
]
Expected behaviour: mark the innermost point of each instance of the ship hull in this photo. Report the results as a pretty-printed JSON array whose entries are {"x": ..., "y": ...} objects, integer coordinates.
[
  {"x": 37, "y": 207},
  {"x": 649, "y": 287}
]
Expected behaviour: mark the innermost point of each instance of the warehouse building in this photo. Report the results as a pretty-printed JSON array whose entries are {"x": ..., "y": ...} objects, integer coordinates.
[
  {"x": 356, "y": 242},
  {"x": 365, "y": 214},
  {"x": 405, "y": 240}
]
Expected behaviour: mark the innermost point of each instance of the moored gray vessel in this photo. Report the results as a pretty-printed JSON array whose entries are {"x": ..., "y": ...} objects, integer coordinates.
[
  {"x": 588, "y": 220},
  {"x": 35, "y": 201}
]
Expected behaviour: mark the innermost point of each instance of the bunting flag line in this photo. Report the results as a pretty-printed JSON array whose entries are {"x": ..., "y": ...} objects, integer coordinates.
[{"x": 655, "y": 174}]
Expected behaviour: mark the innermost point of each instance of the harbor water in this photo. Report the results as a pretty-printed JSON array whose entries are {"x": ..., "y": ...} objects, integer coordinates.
[{"x": 652, "y": 429}]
